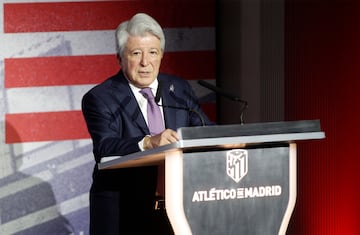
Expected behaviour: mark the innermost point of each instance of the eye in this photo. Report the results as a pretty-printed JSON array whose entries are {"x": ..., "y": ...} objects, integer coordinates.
[
  {"x": 154, "y": 52},
  {"x": 136, "y": 53}
]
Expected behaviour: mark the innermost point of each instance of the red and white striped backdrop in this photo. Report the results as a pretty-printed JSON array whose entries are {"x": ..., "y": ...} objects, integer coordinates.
[{"x": 51, "y": 53}]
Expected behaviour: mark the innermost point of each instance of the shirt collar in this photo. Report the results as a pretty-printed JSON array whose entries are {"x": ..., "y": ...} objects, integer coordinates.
[{"x": 153, "y": 86}]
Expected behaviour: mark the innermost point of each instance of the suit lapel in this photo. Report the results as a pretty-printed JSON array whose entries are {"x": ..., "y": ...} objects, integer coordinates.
[
  {"x": 169, "y": 113},
  {"x": 124, "y": 96}
]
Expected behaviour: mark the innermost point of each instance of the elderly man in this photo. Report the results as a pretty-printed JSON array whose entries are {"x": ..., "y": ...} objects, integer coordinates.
[{"x": 119, "y": 114}]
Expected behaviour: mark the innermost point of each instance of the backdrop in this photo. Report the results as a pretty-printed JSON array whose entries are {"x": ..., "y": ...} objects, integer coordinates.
[
  {"x": 322, "y": 82},
  {"x": 51, "y": 53}
]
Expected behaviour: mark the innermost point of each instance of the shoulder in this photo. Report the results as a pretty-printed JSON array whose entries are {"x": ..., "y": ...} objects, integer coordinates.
[
  {"x": 103, "y": 88},
  {"x": 172, "y": 79}
]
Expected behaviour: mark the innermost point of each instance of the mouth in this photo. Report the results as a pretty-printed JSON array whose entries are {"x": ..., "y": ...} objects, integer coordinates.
[{"x": 144, "y": 73}]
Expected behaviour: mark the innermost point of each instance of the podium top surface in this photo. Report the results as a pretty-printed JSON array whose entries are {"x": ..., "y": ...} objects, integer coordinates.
[
  {"x": 252, "y": 129},
  {"x": 224, "y": 136}
]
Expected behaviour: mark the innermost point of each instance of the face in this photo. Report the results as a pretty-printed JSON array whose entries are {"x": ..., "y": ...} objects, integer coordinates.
[{"x": 141, "y": 59}]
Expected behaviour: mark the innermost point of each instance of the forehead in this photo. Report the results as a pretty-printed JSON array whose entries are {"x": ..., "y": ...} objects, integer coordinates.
[{"x": 145, "y": 41}]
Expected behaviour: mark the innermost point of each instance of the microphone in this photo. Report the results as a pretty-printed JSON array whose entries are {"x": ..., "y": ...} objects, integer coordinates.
[
  {"x": 158, "y": 97},
  {"x": 219, "y": 91},
  {"x": 228, "y": 95}
]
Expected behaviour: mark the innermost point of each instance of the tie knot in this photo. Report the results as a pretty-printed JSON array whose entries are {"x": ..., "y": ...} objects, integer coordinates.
[{"x": 147, "y": 93}]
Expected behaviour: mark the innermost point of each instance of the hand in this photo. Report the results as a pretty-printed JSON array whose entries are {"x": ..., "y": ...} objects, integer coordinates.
[{"x": 166, "y": 137}]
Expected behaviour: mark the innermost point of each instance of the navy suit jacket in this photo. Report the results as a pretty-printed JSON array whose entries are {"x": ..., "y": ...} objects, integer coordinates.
[
  {"x": 118, "y": 197},
  {"x": 116, "y": 124}
]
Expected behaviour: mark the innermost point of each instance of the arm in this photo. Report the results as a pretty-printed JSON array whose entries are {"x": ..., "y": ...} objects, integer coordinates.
[
  {"x": 197, "y": 114},
  {"x": 109, "y": 135}
]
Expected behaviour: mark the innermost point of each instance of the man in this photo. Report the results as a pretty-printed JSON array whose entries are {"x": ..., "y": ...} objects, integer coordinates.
[{"x": 122, "y": 200}]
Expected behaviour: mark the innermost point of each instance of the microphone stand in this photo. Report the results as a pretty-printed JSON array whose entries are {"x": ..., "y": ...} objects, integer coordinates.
[
  {"x": 243, "y": 103},
  {"x": 242, "y": 112},
  {"x": 157, "y": 99},
  {"x": 187, "y": 109}
]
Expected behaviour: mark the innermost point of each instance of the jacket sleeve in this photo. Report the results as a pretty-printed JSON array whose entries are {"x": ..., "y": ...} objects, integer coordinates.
[
  {"x": 106, "y": 129},
  {"x": 197, "y": 116}
]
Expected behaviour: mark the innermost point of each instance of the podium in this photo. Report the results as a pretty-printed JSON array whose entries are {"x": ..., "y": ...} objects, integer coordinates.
[{"x": 229, "y": 179}]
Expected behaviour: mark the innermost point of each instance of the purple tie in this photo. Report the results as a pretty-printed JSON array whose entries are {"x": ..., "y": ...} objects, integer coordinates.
[{"x": 155, "y": 119}]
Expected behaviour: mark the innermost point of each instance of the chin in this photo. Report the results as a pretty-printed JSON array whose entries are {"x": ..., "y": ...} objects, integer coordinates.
[{"x": 146, "y": 81}]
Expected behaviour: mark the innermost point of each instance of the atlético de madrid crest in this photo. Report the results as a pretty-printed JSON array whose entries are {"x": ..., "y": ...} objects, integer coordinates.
[{"x": 237, "y": 164}]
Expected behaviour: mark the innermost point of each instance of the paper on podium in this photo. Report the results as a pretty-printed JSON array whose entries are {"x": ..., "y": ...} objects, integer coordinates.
[{"x": 106, "y": 159}]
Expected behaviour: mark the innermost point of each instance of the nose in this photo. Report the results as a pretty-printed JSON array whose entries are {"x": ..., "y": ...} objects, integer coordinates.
[{"x": 144, "y": 59}]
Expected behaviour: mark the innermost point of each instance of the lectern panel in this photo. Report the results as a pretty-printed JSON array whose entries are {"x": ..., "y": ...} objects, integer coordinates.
[{"x": 238, "y": 191}]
